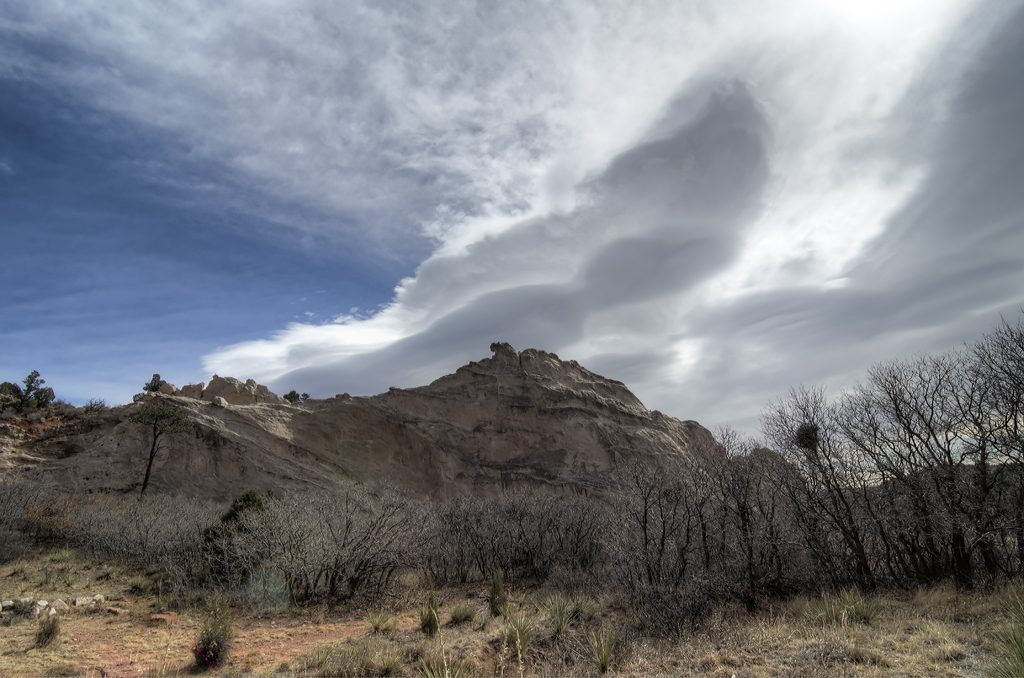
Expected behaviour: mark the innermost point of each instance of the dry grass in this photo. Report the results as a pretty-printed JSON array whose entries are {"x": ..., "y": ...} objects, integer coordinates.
[{"x": 936, "y": 632}]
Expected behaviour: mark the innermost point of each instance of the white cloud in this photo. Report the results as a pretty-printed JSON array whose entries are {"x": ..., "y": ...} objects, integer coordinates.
[{"x": 555, "y": 153}]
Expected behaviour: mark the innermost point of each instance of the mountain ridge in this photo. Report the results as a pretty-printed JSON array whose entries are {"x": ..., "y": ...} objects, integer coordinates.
[{"x": 515, "y": 419}]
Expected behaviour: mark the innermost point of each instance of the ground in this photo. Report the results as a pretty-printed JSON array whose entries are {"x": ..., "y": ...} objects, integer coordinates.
[{"x": 141, "y": 631}]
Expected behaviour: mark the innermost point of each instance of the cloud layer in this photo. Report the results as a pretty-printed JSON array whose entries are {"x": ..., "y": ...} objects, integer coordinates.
[{"x": 708, "y": 200}]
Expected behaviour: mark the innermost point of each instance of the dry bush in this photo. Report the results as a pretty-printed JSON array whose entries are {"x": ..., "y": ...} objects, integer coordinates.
[
  {"x": 326, "y": 546},
  {"x": 526, "y": 535},
  {"x": 48, "y": 631}
]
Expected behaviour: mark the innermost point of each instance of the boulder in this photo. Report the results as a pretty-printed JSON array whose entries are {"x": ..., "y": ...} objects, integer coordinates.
[
  {"x": 192, "y": 390},
  {"x": 59, "y": 606},
  {"x": 99, "y": 599},
  {"x": 217, "y": 401},
  {"x": 167, "y": 389},
  {"x": 84, "y": 602}
]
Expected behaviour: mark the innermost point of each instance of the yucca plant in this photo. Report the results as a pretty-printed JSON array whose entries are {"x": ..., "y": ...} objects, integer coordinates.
[
  {"x": 559, "y": 612},
  {"x": 431, "y": 668},
  {"x": 580, "y": 607},
  {"x": 1009, "y": 661},
  {"x": 602, "y": 648},
  {"x": 519, "y": 632}
]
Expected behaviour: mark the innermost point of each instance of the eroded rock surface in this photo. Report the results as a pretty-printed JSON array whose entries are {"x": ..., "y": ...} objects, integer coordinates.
[{"x": 514, "y": 419}]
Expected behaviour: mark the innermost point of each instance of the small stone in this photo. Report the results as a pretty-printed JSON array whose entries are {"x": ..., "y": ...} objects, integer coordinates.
[
  {"x": 59, "y": 606},
  {"x": 50, "y": 612},
  {"x": 116, "y": 611},
  {"x": 6, "y": 605},
  {"x": 99, "y": 599},
  {"x": 84, "y": 602}
]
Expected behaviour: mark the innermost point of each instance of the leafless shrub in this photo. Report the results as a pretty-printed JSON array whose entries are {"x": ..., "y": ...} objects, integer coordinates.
[{"x": 525, "y": 535}]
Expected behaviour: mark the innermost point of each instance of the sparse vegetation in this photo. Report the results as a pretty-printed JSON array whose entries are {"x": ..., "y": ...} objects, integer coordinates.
[
  {"x": 430, "y": 622},
  {"x": 31, "y": 396},
  {"x": 48, "y": 631},
  {"x": 497, "y": 598},
  {"x": 154, "y": 384},
  {"x": 211, "y": 648},
  {"x": 380, "y": 622},
  {"x": 848, "y": 607},
  {"x": 816, "y": 543},
  {"x": 461, "y": 614}
]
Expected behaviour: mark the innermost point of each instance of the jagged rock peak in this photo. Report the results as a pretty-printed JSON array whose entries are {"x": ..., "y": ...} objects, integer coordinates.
[
  {"x": 532, "y": 376},
  {"x": 231, "y": 390}
]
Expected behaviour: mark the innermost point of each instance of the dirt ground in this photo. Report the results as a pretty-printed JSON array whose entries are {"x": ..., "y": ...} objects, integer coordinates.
[{"x": 139, "y": 631}]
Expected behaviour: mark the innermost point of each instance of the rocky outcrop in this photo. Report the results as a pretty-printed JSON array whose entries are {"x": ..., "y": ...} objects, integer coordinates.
[
  {"x": 231, "y": 390},
  {"x": 515, "y": 419}
]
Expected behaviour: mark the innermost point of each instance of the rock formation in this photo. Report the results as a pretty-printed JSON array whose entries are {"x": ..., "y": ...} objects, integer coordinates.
[
  {"x": 512, "y": 420},
  {"x": 231, "y": 390}
]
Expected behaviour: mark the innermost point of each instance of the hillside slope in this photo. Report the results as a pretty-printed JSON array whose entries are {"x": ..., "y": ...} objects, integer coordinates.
[{"x": 515, "y": 419}]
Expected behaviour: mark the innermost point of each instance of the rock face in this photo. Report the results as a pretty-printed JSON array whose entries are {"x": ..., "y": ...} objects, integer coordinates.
[
  {"x": 231, "y": 390},
  {"x": 515, "y": 419}
]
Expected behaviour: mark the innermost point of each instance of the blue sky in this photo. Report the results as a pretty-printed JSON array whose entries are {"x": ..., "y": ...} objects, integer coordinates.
[
  {"x": 124, "y": 254},
  {"x": 711, "y": 201}
]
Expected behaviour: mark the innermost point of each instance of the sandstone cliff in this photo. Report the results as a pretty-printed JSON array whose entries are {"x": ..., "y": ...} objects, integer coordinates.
[{"x": 515, "y": 419}]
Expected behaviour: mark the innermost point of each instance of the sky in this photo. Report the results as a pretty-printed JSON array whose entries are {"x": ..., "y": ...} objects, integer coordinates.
[{"x": 711, "y": 201}]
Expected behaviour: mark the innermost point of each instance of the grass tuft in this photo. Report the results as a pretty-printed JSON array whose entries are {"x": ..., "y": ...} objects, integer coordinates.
[
  {"x": 844, "y": 609},
  {"x": 354, "y": 660},
  {"x": 380, "y": 622},
  {"x": 461, "y": 614},
  {"x": 430, "y": 622}
]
